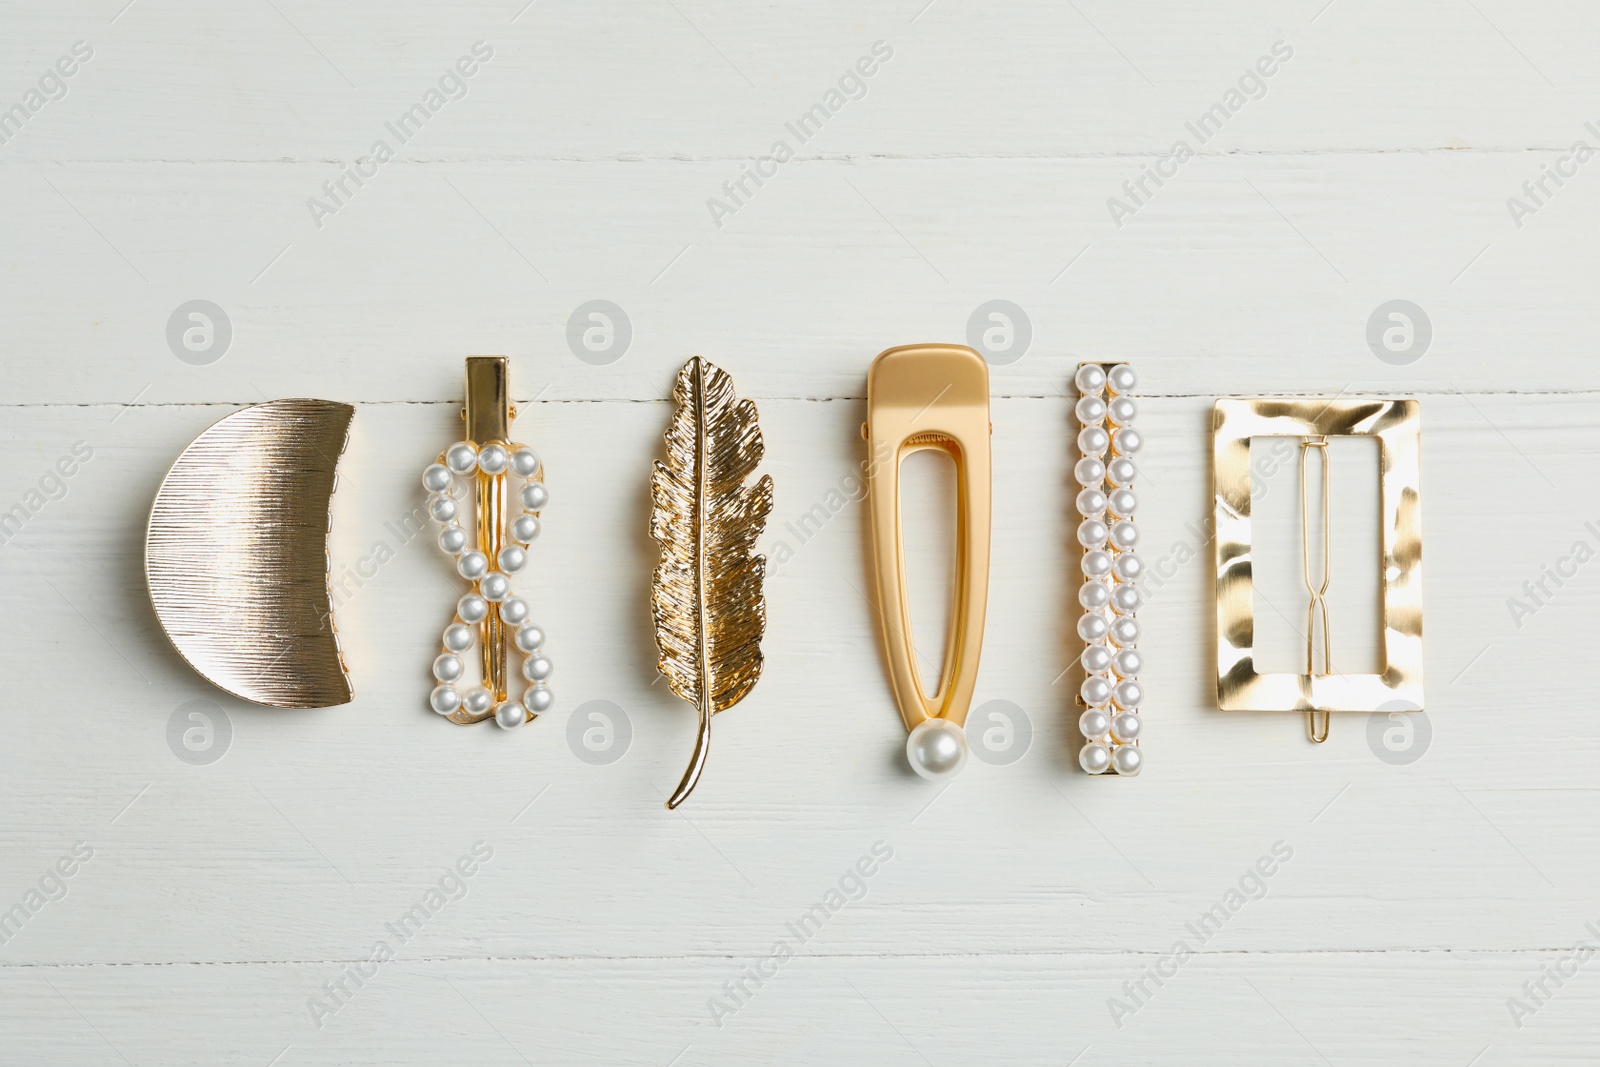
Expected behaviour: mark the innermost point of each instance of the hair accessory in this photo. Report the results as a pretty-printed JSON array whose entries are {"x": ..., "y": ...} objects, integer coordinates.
[
  {"x": 706, "y": 595},
  {"x": 236, "y": 554},
  {"x": 480, "y": 469},
  {"x": 1110, "y": 694},
  {"x": 1397, "y": 426},
  {"x": 931, "y": 397}
]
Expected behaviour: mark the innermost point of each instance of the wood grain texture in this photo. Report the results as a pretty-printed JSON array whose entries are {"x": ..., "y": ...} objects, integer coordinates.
[{"x": 1418, "y": 900}]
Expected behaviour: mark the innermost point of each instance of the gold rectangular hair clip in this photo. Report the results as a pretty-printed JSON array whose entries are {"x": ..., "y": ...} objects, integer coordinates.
[{"x": 1397, "y": 425}]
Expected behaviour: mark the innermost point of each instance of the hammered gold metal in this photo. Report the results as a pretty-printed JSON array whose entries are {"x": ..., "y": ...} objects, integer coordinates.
[
  {"x": 1397, "y": 425},
  {"x": 706, "y": 596},
  {"x": 236, "y": 554}
]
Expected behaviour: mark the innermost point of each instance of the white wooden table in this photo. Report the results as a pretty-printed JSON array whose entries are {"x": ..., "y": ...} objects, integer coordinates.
[{"x": 1013, "y": 918}]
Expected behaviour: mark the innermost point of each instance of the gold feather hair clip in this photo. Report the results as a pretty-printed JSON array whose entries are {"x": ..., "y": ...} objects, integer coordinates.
[{"x": 706, "y": 597}]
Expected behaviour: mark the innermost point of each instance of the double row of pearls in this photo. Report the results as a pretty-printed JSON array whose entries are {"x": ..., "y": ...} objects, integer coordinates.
[
  {"x": 491, "y": 582},
  {"x": 1109, "y": 596}
]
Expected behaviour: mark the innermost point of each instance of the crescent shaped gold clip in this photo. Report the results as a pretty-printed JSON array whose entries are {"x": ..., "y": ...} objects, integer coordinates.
[{"x": 236, "y": 554}]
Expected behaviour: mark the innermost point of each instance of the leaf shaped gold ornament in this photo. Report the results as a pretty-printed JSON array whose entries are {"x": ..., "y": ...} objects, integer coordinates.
[{"x": 706, "y": 596}]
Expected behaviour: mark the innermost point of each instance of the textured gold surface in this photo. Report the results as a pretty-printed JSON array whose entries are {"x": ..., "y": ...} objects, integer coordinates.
[
  {"x": 236, "y": 554},
  {"x": 706, "y": 596},
  {"x": 1397, "y": 425}
]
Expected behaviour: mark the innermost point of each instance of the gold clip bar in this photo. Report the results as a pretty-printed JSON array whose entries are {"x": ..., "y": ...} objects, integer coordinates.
[
  {"x": 488, "y": 416},
  {"x": 1317, "y": 607}
]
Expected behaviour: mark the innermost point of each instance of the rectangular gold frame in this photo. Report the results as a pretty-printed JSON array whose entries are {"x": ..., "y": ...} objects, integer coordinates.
[{"x": 1397, "y": 425}]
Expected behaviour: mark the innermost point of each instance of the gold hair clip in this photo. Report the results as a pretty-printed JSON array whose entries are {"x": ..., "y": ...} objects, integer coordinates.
[
  {"x": 931, "y": 397},
  {"x": 483, "y": 465},
  {"x": 706, "y": 595},
  {"x": 236, "y": 554},
  {"x": 1397, "y": 426},
  {"x": 1111, "y": 693}
]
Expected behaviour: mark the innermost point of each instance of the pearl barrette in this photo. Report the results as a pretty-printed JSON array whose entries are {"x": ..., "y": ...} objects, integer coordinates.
[
  {"x": 1111, "y": 693},
  {"x": 480, "y": 469},
  {"x": 931, "y": 397}
]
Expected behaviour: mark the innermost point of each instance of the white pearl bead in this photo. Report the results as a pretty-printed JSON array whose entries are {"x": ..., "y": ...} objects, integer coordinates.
[
  {"x": 472, "y": 565},
  {"x": 937, "y": 748},
  {"x": 1089, "y": 471},
  {"x": 514, "y": 612},
  {"x": 472, "y": 608},
  {"x": 1124, "y": 535},
  {"x": 1094, "y": 724},
  {"x": 525, "y": 462},
  {"x": 1090, "y": 378},
  {"x": 448, "y": 667},
  {"x": 453, "y": 539},
  {"x": 529, "y": 638},
  {"x": 538, "y": 698},
  {"x": 477, "y": 700},
  {"x": 437, "y": 478},
  {"x": 1092, "y": 628},
  {"x": 1128, "y": 567},
  {"x": 1127, "y": 441},
  {"x": 537, "y": 668},
  {"x": 525, "y": 528},
  {"x": 493, "y": 459},
  {"x": 1127, "y": 759},
  {"x": 1128, "y": 694},
  {"x": 1125, "y": 727},
  {"x": 1091, "y": 502},
  {"x": 1097, "y": 564},
  {"x": 1125, "y": 631},
  {"x": 1094, "y": 758},
  {"x": 444, "y": 699},
  {"x": 1094, "y": 595},
  {"x": 1096, "y": 659},
  {"x": 1122, "y": 503},
  {"x": 1121, "y": 410},
  {"x": 1128, "y": 663},
  {"x": 495, "y": 587},
  {"x": 512, "y": 558},
  {"x": 457, "y": 637},
  {"x": 1095, "y": 690},
  {"x": 1120, "y": 472},
  {"x": 1090, "y": 410},
  {"x": 1093, "y": 441},
  {"x": 461, "y": 457},
  {"x": 1126, "y": 599},
  {"x": 1121, "y": 378},
  {"x": 535, "y": 496},
  {"x": 443, "y": 508},
  {"x": 510, "y": 715},
  {"x": 1092, "y": 533}
]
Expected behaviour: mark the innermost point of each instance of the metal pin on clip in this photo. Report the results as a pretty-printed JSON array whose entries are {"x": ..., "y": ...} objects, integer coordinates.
[{"x": 931, "y": 397}]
